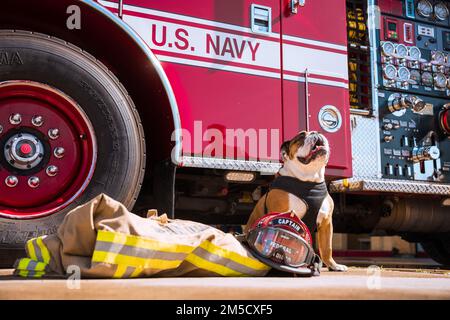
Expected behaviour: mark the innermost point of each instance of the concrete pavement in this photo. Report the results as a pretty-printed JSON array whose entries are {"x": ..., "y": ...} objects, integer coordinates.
[{"x": 358, "y": 283}]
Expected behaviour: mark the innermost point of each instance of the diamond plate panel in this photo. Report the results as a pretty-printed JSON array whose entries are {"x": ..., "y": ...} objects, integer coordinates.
[
  {"x": 385, "y": 185},
  {"x": 365, "y": 147}
]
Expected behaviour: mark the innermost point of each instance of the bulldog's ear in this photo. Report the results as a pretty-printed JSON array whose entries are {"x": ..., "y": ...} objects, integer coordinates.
[
  {"x": 301, "y": 135},
  {"x": 285, "y": 150}
]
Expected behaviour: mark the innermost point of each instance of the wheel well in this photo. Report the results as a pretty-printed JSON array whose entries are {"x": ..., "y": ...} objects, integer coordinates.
[{"x": 111, "y": 41}]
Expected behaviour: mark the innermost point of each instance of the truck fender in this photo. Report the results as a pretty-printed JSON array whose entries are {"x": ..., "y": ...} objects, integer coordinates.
[{"x": 112, "y": 41}]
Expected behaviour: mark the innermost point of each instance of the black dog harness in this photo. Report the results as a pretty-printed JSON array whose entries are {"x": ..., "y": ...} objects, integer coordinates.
[{"x": 311, "y": 193}]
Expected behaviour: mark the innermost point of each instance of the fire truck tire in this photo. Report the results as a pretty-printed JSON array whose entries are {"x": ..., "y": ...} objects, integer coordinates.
[
  {"x": 438, "y": 249},
  {"x": 114, "y": 154}
]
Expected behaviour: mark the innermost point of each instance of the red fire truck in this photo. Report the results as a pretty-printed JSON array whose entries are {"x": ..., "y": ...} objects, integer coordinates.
[{"x": 183, "y": 105}]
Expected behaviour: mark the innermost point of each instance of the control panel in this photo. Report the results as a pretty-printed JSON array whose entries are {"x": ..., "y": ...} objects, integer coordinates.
[{"x": 413, "y": 72}]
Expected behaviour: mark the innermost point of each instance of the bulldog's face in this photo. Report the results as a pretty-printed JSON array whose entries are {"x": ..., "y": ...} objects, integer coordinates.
[{"x": 307, "y": 150}]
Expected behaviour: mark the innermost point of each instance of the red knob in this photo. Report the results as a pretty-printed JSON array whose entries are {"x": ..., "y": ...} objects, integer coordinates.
[
  {"x": 25, "y": 148},
  {"x": 445, "y": 121}
]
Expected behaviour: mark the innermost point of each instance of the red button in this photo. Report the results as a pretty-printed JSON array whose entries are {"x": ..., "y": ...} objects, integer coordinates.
[
  {"x": 445, "y": 121},
  {"x": 25, "y": 148}
]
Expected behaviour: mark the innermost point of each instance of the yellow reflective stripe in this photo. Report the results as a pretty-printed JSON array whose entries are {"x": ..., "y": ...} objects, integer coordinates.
[
  {"x": 120, "y": 271},
  {"x": 27, "y": 264},
  {"x": 30, "y": 249},
  {"x": 210, "y": 266},
  {"x": 236, "y": 257},
  {"x": 23, "y": 273},
  {"x": 141, "y": 242},
  {"x": 23, "y": 264},
  {"x": 44, "y": 250},
  {"x": 114, "y": 258},
  {"x": 40, "y": 266},
  {"x": 27, "y": 274},
  {"x": 136, "y": 272}
]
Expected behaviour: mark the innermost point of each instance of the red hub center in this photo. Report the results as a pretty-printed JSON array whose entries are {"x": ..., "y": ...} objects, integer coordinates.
[
  {"x": 25, "y": 149},
  {"x": 47, "y": 150}
]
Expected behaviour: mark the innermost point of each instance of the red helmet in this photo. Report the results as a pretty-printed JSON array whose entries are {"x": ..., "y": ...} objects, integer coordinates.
[{"x": 283, "y": 241}]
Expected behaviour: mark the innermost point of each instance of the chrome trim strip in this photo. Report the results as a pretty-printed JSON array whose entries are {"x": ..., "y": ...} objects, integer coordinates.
[
  {"x": 387, "y": 185},
  {"x": 307, "y": 98},
  {"x": 230, "y": 164},
  {"x": 360, "y": 112},
  {"x": 157, "y": 65},
  {"x": 372, "y": 16}
]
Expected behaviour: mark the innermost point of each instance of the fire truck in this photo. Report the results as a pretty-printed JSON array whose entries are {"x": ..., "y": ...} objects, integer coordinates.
[{"x": 183, "y": 106}]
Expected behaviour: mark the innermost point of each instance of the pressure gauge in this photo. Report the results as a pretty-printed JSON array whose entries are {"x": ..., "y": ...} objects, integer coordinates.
[
  {"x": 415, "y": 53},
  {"x": 427, "y": 79},
  {"x": 401, "y": 51},
  {"x": 440, "y": 81},
  {"x": 441, "y": 11},
  {"x": 438, "y": 57},
  {"x": 403, "y": 74},
  {"x": 415, "y": 76},
  {"x": 390, "y": 72},
  {"x": 424, "y": 8},
  {"x": 388, "y": 48}
]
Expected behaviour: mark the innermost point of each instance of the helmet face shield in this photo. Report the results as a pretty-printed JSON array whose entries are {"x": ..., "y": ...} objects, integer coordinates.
[{"x": 280, "y": 246}]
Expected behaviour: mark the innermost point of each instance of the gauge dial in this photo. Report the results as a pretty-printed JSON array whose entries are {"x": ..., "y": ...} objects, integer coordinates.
[
  {"x": 390, "y": 72},
  {"x": 401, "y": 51},
  {"x": 388, "y": 48},
  {"x": 415, "y": 53},
  {"x": 440, "y": 81},
  {"x": 438, "y": 57},
  {"x": 441, "y": 11},
  {"x": 424, "y": 8},
  {"x": 415, "y": 76},
  {"x": 427, "y": 79},
  {"x": 403, "y": 74}
]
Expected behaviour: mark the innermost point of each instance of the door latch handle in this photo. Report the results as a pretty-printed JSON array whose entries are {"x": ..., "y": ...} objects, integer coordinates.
[
  {"x": 295, "y": 4},
  {"x": 261, "y": 17},
  {"x": 120, "y": 8}
]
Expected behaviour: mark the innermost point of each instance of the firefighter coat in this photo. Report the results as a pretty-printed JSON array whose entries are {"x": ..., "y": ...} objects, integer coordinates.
[{"x": 102, "y": 239}]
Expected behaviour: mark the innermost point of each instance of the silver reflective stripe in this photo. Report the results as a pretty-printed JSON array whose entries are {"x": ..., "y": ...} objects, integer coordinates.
[
  {"x": 202, "y": 253},
  {"x": 138, "y": 252},
  {"x": 37, "y": 250},
  {"x": 32, "y": 265},
  {"x": 32, "y": 273},
  {"x": 29, "y": 273},
  {"x": 128, "y": 272}
]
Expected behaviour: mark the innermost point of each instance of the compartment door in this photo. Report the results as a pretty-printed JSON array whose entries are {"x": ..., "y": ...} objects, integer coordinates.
[
  {"x": 315, "y": 75},
  {"x": 222, "y": 59}
]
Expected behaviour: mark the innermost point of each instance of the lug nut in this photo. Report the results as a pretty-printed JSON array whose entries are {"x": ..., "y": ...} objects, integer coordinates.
[
  {"x": 52, "y": 171},
  {"x": 15, "y": 119},
  {"x": 1, "y": 128},
  {"x": 53, "y": 134},
  {"x": 33, "y": 182},
  {"x": 11, "y": 181},
  {"x": 37, "y": 121},
  {"x": 59, "y": 152}
]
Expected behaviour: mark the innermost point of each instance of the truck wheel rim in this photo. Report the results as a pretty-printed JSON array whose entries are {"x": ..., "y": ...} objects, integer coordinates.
[{"x": 48, "y": 150}]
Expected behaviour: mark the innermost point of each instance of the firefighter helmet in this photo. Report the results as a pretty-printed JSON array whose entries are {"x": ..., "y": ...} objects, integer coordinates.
[{"x": 283, "y": 241}]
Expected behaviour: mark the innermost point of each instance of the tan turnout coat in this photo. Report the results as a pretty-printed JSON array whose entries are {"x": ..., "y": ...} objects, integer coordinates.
[{"x": 102, "y": 239}]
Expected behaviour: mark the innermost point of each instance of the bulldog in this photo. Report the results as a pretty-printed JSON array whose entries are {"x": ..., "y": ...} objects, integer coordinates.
[{"x": 300, "y": 188}]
